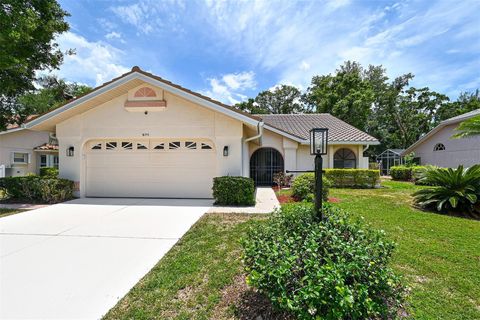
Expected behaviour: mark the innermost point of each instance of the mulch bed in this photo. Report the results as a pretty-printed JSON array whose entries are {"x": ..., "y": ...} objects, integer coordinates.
[{"x": 247, "y": 303}]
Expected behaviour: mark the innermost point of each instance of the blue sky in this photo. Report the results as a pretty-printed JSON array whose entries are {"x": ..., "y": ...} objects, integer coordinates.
[{"x": 231, "y": 50}]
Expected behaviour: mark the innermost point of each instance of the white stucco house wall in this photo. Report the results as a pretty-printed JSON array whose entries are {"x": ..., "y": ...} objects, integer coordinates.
[
  {"x": 438, "y": 148},
  {"x": 142, "y": 136}
]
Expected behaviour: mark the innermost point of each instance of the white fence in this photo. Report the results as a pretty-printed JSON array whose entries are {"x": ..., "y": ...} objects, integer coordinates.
[{"x": 2, "y": 171}]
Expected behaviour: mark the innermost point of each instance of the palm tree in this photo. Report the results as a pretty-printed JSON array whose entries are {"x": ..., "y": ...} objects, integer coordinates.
[{"x": 468, "y": 128}]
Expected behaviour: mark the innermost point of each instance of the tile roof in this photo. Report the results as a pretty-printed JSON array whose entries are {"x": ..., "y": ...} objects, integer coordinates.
[
  {"x": 137, "y": 69},
  {"x": 47, "y": 147},
  {"x": 299, "y": 125}
]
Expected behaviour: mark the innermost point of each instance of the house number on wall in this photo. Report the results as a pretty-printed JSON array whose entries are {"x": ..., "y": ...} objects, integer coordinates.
[{"x": 145, "y": 134}]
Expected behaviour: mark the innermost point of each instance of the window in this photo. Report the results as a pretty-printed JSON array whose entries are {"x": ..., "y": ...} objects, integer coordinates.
[
  {"x": 97, "y": 146},
  {"x": 43, "y": 161},
  {"x": 144, "y": 92},
  {"x": 160, "y": 146},
  {"x": 344, "y": 159},
  {"x": 141, "y": 146},
  {"x": 206, "y": 146},
  {"x": 111, "y": 145},
  {"x": 174, "y": 145},
  {"x": 439, "y": 147},
  {"x": 20, "y": 158},
  {"x": 49, "y": 160},
  {"x": 127, "y": 145},
  {"x": 191, "y": 145}
]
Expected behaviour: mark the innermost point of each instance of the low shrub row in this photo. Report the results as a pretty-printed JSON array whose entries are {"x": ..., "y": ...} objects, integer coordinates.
[
  {"x": 38, "y": 189},
  {"x": 234, "y": 191},
  {"x": 336, "y": 268},
  {"x": 412, "y": 173},
  {"x": 353, "y": 178},
  {"x": 303, "y": 187}
]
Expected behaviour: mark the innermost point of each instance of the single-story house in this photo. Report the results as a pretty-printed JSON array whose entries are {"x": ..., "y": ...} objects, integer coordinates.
[
  {"x": 142, "y": 136},
  {"x": 438, "y": 148},
  {"x": 24, "y": 151}
]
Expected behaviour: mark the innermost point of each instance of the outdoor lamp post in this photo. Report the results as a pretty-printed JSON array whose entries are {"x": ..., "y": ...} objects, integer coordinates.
[{"x": 318, "y": 147}]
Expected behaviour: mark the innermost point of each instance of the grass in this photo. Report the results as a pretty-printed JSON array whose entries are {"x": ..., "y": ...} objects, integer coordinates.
[
  {"x": 188, "y": 282},
  {"x": 7, "y": 212},
  {"x": 438, "y": 255}
]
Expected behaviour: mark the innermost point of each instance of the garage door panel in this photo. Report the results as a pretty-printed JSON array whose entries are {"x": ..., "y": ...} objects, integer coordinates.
[{"x": 179, "y": 173}]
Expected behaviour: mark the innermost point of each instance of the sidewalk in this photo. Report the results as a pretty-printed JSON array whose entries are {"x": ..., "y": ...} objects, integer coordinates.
[{"x": 266, "y": 202}]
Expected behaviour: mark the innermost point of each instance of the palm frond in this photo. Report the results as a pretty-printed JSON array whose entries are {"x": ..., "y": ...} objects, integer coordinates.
[{"x": 468, "y": 128}]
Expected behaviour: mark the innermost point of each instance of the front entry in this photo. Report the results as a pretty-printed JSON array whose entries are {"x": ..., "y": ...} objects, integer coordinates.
[{"x": 264, "y": 163}]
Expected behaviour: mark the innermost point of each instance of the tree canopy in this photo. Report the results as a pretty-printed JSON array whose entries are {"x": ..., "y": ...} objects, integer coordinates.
[
  {"x": 27, "y": 32},
  {"x": 390, "y": 110},
  {"x": 278, "y": 100}
]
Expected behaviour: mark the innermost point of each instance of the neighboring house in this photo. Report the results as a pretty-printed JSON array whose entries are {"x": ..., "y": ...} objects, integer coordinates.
[
  {"x": 25, "y": 151},
  {"x": 438, "y": 148},
  {"x": 142, "y": 136}
]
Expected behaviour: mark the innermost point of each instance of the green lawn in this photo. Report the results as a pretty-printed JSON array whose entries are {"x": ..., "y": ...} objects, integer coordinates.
[
  {"x": 7, "y": 212},
  {"x": 201, "y": 277},
  {"x": 438, "y": 255},
  {"x": 190, "y": 281}
]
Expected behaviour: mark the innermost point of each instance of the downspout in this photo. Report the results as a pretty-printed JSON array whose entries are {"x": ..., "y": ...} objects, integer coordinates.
[
  {"x": 259, "y": 131},
  {"x": 363, "y": 154},
  {"x": 257, "y": 136}
]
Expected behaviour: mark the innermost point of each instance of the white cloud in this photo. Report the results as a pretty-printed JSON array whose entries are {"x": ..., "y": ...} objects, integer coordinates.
[
  {"x": 230, "y": 88},
  {"x": 148, "y": 16},
  {"x": 94, "y": 62},
  {"x": 115, "y": 36}
]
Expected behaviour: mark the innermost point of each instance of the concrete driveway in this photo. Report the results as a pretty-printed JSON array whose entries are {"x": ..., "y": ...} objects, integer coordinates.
[{"x": 77, "y": 259}]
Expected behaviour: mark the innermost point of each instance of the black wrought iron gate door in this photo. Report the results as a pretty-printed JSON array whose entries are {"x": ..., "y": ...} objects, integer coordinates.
[{"x": 264, "y": 163}]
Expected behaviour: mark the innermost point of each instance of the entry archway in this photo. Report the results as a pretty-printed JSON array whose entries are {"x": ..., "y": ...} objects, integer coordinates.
[{"x": 264, "y": 163}]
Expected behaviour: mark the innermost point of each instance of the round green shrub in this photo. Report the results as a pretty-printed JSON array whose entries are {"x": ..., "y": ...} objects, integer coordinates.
[
  {"x": 401, "y": 173},
  {"x": 303, "y": 187},
  {"x": 234, "y": 191},
  {"x": 334, "y": 269},
  {"x": 49, "y": 172}
]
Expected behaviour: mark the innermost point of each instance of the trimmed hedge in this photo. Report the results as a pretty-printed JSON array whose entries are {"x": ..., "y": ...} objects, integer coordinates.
[
  {"x": 401, "y": 173},
  {"x": 37, "y": 189},
  {"x": 413, "y": 173},
  {"x": 49, "y": 172},
  {"x": 353, "y": 178},
  {"x": 337, "y": 268},
  {"x": 234, "y": 191},
  {"x": 303, "y": 187}
]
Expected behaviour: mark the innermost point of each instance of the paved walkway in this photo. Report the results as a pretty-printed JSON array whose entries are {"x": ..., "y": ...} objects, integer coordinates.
[{"x": 266, "y": 202}]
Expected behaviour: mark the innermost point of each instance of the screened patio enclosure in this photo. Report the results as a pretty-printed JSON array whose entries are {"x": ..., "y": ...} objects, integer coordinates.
[{"x": 389, "y": 158}]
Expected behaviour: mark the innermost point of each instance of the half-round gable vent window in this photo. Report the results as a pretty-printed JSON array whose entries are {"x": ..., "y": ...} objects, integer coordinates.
[
  {"x": 439, "y": 147},
  {"x": 144, "y": 92}
]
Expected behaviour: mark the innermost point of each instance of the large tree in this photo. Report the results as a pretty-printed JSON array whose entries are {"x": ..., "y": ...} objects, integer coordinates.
[
  {"x": 347, "y": 94},
  {"x": 466, "y": 102},
  {"x": 51, "y": 92},
  {"x": 278, "y": 100},
  {"x": 27, "y": 32},
  {"x": 468, "y": 128}
]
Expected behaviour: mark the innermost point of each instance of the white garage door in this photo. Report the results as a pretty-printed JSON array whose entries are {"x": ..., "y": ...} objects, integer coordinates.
[{"x": 169, "y": 168}]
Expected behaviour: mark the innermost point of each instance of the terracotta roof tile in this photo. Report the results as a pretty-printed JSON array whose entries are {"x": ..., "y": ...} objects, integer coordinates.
[
  {"x": 299, "y": 125},
  {"x": 47, "y": 147}
]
